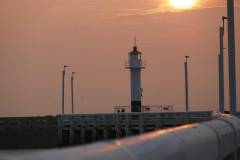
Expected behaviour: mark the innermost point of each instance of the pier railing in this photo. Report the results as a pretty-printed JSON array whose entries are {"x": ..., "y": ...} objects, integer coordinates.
[{"x": 85, "y": 128}]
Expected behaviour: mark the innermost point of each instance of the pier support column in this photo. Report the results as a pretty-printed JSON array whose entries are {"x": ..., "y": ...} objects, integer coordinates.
[
  {"x": 94, "y": 134},
  {"x": 141, "y": 125},
  {"x": 105, "y": 133},
  {"x": 71, "y": 135},
  {"x": 82, "y": 136}
]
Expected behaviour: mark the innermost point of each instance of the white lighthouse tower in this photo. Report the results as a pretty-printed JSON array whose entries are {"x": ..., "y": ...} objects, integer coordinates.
[{"x": 135, "y": 65}]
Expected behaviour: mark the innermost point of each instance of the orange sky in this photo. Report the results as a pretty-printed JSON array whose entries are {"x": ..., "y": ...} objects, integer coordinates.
[{"x": 38, "y": 37}]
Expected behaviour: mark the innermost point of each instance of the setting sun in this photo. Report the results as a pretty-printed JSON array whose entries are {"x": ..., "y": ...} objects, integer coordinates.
[{"x": 182, "y": 4}]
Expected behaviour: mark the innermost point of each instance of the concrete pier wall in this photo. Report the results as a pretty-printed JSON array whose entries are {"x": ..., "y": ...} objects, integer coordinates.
[
  {"x": 218, "y": 139},
  {"x": 86, "y": 128},
  {"x": 28, "y": 132},
  {"x": 57, "y": 131}
]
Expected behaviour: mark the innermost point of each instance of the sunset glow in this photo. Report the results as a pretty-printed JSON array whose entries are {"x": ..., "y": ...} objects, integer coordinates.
[{"x": 183, "y": 4}]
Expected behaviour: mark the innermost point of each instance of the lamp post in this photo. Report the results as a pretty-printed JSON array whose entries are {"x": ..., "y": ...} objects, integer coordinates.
[
  {"x": 72, "y": 92},
  {"x": 186, "y": 83},
  {"x": 221, "y": 66},
  {"x": 231, "y": 57},
  {"x": 63, "y": 86}
]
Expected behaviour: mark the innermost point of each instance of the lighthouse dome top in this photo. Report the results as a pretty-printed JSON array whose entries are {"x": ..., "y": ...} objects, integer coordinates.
[{"x": 135, "y": 50}]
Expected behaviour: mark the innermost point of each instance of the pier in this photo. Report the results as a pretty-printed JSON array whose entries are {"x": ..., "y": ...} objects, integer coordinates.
[
  {"x": 213, "y": 140},
  {"x": 56, "y": 131}
]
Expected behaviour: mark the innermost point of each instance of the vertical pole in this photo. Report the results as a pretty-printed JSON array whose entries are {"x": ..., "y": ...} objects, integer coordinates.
[
  {"x": 63, "y": 79},
  {"x": 72, "y": 78},
  {"x": 186, "y": 84},
  {"x": 72, "y": 96},
  {"x": 231, "y": 58},
  {"x": 221, "y": 71}
]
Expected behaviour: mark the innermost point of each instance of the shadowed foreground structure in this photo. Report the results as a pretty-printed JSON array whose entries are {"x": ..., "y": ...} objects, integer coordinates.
[
  {"x": 28, "y": 132},
  {"x": 48, "y": 132},
  {"x": 218, "y": 139}
]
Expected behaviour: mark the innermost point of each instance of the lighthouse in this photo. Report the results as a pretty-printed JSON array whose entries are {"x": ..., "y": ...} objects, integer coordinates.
[{"x": 135, "y": 65}]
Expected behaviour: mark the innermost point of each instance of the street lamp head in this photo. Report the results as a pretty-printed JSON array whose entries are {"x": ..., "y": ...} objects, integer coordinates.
[
  {"x": 224, "y": 17},
  {"x": 223, "y": 23},
  {"x": 187, "y": 57},
  {"x": 66, "y": 66}
]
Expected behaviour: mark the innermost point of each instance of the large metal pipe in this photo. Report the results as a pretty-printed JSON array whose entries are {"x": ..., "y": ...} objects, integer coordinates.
[{"x": 231, "y": 57}]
